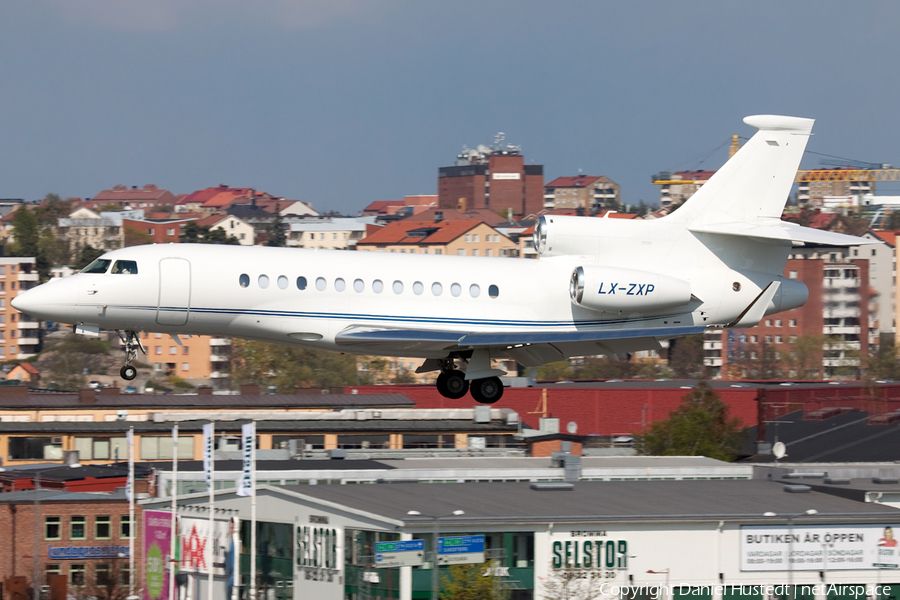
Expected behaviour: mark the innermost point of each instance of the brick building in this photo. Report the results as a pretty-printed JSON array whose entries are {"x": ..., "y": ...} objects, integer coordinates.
[
  {"x": 841, "y": 308},
  {"x": 588, "y": 193},
  {"x": 199, "y": 359},
  {"x": 19, "y": 334},
  {"x": 674, "y": 193},
  {"x": 124, "y": 197},
  {"x": 494, "y": 178},
  {"x": 83, "y": 536}
]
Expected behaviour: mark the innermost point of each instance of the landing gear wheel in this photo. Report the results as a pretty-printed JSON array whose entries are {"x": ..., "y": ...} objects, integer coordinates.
[
  {"x": 487, "y": 390},
  {"x": 452, "y": 384},
  {"x": 128, "y": 372},
  {"x": 130, "y": 344}
]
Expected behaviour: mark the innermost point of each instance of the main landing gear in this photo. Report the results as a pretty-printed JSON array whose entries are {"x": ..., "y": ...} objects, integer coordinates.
[
  {"x": 131, "y": 343},
  {"x": 452, "y": 383}
]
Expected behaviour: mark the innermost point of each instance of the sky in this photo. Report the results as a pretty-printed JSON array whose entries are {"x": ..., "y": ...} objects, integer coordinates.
[{"x": 342, "y": 102}]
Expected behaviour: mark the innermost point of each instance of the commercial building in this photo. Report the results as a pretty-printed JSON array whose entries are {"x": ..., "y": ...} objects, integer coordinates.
[
  {"x": 712, "y": 540},
  {"x": 495, "y": 178}
]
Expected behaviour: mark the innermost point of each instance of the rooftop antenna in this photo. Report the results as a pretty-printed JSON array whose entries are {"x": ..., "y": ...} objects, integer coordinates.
[{"x": 499, "y": 140}]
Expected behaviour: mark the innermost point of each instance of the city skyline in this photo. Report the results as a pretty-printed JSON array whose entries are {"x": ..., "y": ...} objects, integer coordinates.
[{"x": 343, "y": 103}]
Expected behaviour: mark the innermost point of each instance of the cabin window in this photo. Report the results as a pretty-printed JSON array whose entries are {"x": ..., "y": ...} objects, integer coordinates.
[
  {"x": 282, "y": 282},
  {"x": 301, "y": 283},
  {"x": 456, "y": 289},
  {"x": 321, "y": 284},
  {"x": 244, "y": 280},
  {"x": 493, "y": 291},
  {"x": 358, "y": 285},
  {"x": 98, "y": 266},
  {"x": 474, "y": 290},
  {"x": 437, "y": 289},
  {"x": 339, "y": 284},
  {"x": 398, "y": 287},
  {"x": 263, "y": 281},
  {"x": 124, "y": 267},
  {"x": 418, "y": 288},
  {"x": 377, "y": 286}
]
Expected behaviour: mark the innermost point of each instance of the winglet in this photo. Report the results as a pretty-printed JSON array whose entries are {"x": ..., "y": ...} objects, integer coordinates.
[{"x": 756, "y": 310}]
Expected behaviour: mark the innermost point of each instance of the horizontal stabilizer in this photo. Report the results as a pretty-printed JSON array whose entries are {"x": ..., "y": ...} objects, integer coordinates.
[{"x": 782, "y": 230}]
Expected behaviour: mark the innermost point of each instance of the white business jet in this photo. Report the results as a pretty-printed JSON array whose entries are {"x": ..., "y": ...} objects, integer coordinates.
[{"x": 601, "y": 286}]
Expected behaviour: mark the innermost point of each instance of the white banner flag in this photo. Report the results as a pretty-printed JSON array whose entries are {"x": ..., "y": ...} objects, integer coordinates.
[
  {"x": 129, "y": 484},
  {"x": 246, "y": 484},
  {"x": 208, "y": 450}
]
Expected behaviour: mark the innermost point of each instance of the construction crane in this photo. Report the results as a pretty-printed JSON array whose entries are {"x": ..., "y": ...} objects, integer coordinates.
[{"x": 848, "y": 175}]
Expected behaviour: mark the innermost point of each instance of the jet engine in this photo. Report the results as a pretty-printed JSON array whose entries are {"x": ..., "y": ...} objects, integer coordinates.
[{"x": 611, "y": 289}]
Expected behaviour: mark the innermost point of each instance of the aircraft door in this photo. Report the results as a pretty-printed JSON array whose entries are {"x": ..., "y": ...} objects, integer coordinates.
[{"x": 174, "y": 291}]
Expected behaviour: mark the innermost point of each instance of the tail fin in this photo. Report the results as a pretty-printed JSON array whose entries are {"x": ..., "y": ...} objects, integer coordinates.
[{"x": 755, "y": 183}]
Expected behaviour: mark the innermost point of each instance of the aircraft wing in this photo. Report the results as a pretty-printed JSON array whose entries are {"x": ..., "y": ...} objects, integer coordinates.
[
  {"x": 782, "y": 230},
  {"x": 438, "y": 341}
]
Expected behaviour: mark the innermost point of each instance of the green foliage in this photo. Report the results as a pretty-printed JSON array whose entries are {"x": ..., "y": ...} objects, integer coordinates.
[
  {"x": 885, "y": 364},
  {"x": 287, "y": 367},
  {"x": 600, "y": 367},
  {"x": 700, "y": 426},
  {"x": 686, "y": 357},
  {"x": 135, "y": 236},
  {"x": 67, "y": 359},
  {"x": 469, "y": 582},
  {"x": 804, "y": 358},
  {"x": 86, "y": 256},
  {"x": 26, "y": 230},
  {"x": 197, "y": 234},
  {"x": 277, "y": 235}
]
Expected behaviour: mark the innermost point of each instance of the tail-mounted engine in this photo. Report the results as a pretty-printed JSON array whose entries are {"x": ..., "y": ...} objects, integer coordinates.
[{"x": 612, "y": 289}]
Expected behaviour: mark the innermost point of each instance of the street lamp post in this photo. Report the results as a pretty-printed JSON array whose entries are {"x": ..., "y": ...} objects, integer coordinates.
[
  {"x": 434, "y": 562},
  {"x": 790, "y": 519}
]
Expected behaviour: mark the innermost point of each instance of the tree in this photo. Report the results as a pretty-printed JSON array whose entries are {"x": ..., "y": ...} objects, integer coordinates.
[
  {"x": 86, "y": 256},
  {"x": 700, "y": 426},
  {"x": 571, "y": 584},
  {"x": 203, "y": 234},
  {"x": 277, "y": 236},
  {"x": 803, "y": 360},
  {"x": 134, "y": 236},
  {"x": 65, "y": 361},
  {"x": 288, "y": 367},
  {"x": 473, "y": 582},
  {"x": 686, "y": 357},
  {"x": 884, "y": 364}
]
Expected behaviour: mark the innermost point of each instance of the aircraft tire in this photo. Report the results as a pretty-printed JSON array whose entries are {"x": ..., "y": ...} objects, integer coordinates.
[
  {"x": 128, "y": 372},
  {"x": 487, "y": 390},
  {"x": 452, "y": 384}
]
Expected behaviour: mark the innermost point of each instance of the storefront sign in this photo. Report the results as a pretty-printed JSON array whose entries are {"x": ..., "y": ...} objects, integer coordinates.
[
  {"x": 819, "y": 547},
  {"x": 157, "y": 543},
  {"x": 79, "y": 552},
  {"x": 195, "y": 540},
  {"x": 590, "y": 553}
]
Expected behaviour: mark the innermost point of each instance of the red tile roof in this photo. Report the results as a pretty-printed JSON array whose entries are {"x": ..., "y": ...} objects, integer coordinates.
[
  {"x": 121, "y": 192},
  {"x": 822, "y": 220},
  {"x": 888, "y": 236},
  {"x": 441, "y": 232},
  {"x": 576, "y": 181}
]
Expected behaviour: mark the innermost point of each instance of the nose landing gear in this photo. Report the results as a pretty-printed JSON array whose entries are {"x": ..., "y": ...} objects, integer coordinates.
[{"x": 131, "y": 343}]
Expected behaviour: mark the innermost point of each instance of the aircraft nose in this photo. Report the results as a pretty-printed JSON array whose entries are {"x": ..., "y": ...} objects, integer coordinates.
[{"x": 43, "y": 302}]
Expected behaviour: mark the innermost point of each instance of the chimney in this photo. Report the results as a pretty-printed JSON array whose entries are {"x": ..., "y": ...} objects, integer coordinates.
[
  {"x": 438, "y": 216},
  {"x": 204, "y": 390},
  {"x": 249, "y": 390},
  {"x": 87, "y": 396}
]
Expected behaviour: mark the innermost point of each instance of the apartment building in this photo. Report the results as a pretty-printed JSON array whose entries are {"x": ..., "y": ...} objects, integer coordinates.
[
  {"x": 338, "y": 233},
  {"x": 587, "y": 193},
  {"x": 199, "y": 359},
  {"x": 675, "y": 192},
  {"x": 464, "y": 237},
  {"x": 19, "y": 334},
  {"x": 841, "y": 310}
]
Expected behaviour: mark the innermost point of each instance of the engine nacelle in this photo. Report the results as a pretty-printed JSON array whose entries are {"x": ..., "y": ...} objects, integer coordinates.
[
  {"x": 560, "y": 236},
  {"x": 612, "y": 289}
]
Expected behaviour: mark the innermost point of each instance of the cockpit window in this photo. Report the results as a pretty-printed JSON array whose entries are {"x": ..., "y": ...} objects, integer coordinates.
[
  {"x": 124, "y": 267},
  {"x": 98, "y": 266}
]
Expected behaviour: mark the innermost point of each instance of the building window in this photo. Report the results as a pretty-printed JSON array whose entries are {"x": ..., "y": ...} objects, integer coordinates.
[
  {"x": 170, "y": 231},
  {"x": 76, "y": 574},
  {"x": 768, "y": 339},
  {"x": 185, "y": 366},
  {"x": 173, "y": 350},
  {"x": 77, "y": 527},
  {"x": 792, "y": 275},
  {"x": 474, "y": 251},
  {"x": 102, "y": 527},
  {"x": 461, "y": 252},
  {"x": 752, "y": 339},
  {"x": 160, "y": 447},
  {"x": 185, "y": 350},
  {"x": 768, "y": 322},
  {"x": 158, "y": 350},
  {"x": 52, "y": 528},
  {"x": 777, "y": 322},
  {"x": 778, "y": 339},
  {"x": 792, "y": 323},
  {"x": 124, "y": 527}
]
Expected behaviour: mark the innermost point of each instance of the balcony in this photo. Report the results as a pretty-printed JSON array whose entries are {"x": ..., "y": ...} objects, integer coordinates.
[
  {"x": 28, "y": 341},
  {"x": 28, "y": 276},
  {"x": 219, "y": 358},
  {"x": 219, "y": 341},
  {"x": 219, "y": 374},
  {"x": 28, "y": 325},
  {"x": 712, "y": 361}
]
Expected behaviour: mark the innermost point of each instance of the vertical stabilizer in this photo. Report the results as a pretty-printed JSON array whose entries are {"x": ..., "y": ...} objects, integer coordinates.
[{"x": 755, "y": 183}]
